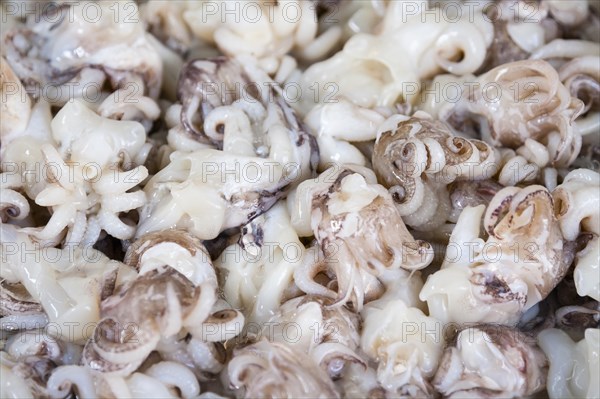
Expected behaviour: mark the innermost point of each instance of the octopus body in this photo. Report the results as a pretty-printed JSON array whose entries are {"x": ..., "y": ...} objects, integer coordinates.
[
  {"x": 514, "y": 366},
  {"x": 71, "y": 53},
  {"x": 406, "y": 344},
  {"x": 257, "y": 271},
  {"x": 330, "y": 336},
  {"x": 345, "y": 209},
  {"x": 525, "y": 100},
  {"x": 418, "y": 157},
  {"x": 573, "y": 364},
  {"x": 42, "y": 284},
  {"x": 498, "y": 279},
  {"x": 175, "y": 288},
  {"x": 369, "y": 74},
  {"x": 249, "y": 149},
  {"x": 85, "y": 186},
  {"x": 266, "y": 369},
  {"x": 577, "y": 206}
]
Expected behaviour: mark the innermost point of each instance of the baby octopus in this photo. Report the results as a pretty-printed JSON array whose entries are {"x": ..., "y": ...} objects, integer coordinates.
[
  {"x": 358, "y": 230},
  {"x": 175, "y": 289},
  {"x": 418, "y": 157},
  {"x": 249, "y": 148},
  {"x": 497, "y": 279},
  {"x": 524, "y": 100}
]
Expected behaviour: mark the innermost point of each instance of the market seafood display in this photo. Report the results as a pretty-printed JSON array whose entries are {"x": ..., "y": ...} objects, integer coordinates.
[{"x": 300, "y": 198}]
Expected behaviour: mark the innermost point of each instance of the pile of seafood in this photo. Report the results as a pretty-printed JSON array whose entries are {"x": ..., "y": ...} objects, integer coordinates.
[{"x": 300, "y": 198}]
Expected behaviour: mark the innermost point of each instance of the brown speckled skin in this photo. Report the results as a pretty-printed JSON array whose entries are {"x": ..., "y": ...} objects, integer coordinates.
[{"x": 14, "y": 299}]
